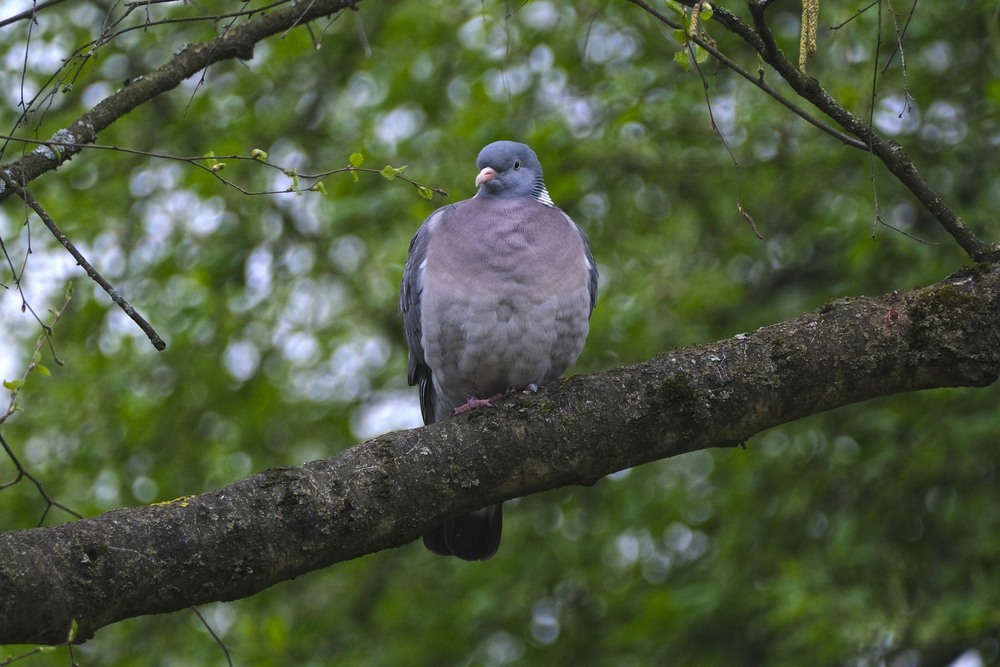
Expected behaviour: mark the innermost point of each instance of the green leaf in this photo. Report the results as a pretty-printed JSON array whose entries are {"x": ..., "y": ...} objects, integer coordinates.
[
  {"x": 388, "y": 173},
  {"x": 357, "y": 159},
  {"x": 677, "y": 8},
  {"x": 294, "y": 175},
  {"x": 258, "y": 154},
  {"x": 425, "y": 192},
  {"x": 43, "y": 370},
  {"x": 706, "y": 11},
  {"x": 13, "y": 385},
  {"x": 320, "y": 188},
  {"x": 681, "y": 58}
]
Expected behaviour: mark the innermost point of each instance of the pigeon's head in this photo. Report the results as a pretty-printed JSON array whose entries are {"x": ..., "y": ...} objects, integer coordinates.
[{"x": 510, "y": 169}]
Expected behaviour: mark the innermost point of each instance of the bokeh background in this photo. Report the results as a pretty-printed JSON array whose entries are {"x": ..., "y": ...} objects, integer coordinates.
[{"x": 866, "y": 536}]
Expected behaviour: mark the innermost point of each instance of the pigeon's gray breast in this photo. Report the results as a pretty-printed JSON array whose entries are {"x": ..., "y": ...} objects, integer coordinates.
[{"x": 506, "y": 299}]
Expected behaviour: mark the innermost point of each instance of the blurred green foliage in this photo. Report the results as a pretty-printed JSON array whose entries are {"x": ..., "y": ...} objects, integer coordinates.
[{"x": 867, "y": 536}]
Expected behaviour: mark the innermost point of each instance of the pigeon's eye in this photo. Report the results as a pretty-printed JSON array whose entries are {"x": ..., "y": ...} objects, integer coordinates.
[{"x": 517, "y": 165}]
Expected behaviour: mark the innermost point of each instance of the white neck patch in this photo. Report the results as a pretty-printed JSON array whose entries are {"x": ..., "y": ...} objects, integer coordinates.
[{"x": 542, "y": 195}]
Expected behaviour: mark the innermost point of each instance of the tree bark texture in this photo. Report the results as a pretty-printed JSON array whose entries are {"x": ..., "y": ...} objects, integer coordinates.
[{"x": 284, "y": 522}]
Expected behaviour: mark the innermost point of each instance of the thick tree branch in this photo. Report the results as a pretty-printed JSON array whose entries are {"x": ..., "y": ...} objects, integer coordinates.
[
  {"x": 285, "y": 522},
  {"x": 238, "y": 42}
]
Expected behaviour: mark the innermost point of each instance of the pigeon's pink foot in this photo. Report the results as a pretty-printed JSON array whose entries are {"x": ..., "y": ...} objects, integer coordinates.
[{"x": 474, "y": 403}]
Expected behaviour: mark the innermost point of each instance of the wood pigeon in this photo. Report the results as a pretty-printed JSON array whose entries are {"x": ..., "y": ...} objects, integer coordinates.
[{"x": 496, "y": 297}]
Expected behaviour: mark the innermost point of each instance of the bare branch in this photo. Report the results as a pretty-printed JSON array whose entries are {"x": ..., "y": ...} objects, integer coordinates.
[
  {"x": 93, "y": 273},
  {"x": 15, "y": 387},
  {"x": 35, "y": 362},
  {"x": 30, "y": 14},
  {"x": 740, "y": 207},
  {"x": 214, "y": 160},
  {"x": 238, "y": 42},
  {"x": 215, "y": 636},
  {"x": 23, "y": 474},
  {"x": 756, "y": 80},
  {"x": 890, "y": 153}
]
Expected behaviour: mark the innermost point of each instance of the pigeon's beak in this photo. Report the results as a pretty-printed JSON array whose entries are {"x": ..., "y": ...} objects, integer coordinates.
[{"x": 487, "y": 174}]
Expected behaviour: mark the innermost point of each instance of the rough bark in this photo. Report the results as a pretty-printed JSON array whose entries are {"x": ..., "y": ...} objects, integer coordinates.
[{"x": 282, "y": 523}]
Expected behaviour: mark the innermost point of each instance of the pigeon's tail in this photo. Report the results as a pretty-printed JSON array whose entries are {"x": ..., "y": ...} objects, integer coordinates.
[{"x": 474, "y": 536}]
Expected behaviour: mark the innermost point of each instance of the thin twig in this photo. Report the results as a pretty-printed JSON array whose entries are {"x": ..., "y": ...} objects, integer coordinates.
[
  {"x": 757, "y": 81},
  {"x": 218, "y": 640},
  {"x": 17, "y": 274},
  {"x": 760, "y": 38},
  {"x": 22, "y": 473},
  {"x": 871, "y": 124},
  {"x": 855, "y": 15},
  {"x": 94, "y": 275},
  {"x": 900, "y": 33},
  {"x": 204, "y": 72},
  {"x": 715, "y": 126},
  {"x": 30, "y": 14},
  {"x": 33, "y": 365},
  {"x": 198, "y": 161},
  {"x": 237, "y": 43}
]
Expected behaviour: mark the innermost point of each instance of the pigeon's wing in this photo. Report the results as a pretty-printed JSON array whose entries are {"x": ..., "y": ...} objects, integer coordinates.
[
  {"x": 418, "y": 372},
  {"x": 591, "y": 270}
]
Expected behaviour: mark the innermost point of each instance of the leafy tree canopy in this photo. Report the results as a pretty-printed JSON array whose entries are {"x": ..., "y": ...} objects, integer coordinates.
[{"x": 864, "y": 535}]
